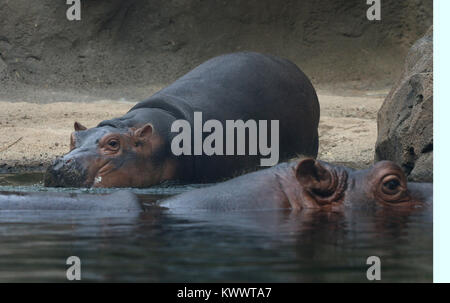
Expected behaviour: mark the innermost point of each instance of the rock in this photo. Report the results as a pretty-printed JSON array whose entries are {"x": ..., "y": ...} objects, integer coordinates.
[
  {"x": 3, "y": 67},
  {"x": 405, "y": 120}
]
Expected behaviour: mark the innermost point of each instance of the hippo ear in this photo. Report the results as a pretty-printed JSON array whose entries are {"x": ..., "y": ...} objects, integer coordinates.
[
  {"x": 319, "y": 182},
  {"x": 144, "y": 131},
  {"x": 311, "y": 174},
  {"x": 78, "y": 126}
]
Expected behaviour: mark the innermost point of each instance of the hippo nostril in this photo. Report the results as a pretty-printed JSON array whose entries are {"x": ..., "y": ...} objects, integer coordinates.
[{"x": 65, "y": 173}]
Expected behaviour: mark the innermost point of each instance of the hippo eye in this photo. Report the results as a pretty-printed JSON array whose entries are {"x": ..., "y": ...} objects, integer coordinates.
[
  {"x": 391, "y": 185},
  {"x": 113, "y": 143}
]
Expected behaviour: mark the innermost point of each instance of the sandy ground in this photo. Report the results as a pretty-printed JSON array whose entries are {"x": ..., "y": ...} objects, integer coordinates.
[{"x": 32, "y": 135}]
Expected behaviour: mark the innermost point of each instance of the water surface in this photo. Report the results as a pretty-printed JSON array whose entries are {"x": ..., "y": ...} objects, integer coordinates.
[{"x": 159, "y": 245}]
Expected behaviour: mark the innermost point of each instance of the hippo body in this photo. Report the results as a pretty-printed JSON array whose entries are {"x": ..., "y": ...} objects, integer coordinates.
[
  {"x": 309, "y": 184},
  {"x": 239, "y": 86}
]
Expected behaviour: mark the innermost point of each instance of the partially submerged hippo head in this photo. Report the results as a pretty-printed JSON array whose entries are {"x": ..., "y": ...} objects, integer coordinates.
[
  {"x": 110, "y": 156},
  {"x": 310, "y": 185},
  {"x": 323, "y": 185}
]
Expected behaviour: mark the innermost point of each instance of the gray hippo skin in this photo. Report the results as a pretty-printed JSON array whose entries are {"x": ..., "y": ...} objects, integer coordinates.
[
  {"x": 135, "y": 150},
  {"x": 118, "y": 201},
  {"x": 309, "y": 184}
]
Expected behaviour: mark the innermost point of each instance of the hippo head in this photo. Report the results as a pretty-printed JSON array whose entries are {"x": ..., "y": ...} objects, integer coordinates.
[
  {"x": 108, "y": 156},
  {"x": 327, "y": 186}
]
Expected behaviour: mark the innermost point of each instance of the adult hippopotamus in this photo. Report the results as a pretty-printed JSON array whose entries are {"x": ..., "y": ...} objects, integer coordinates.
[
  {"x": 135, "y": 149},
  {"x": 309, "y": 184}
]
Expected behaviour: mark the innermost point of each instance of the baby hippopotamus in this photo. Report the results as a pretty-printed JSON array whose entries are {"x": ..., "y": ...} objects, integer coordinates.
[
  {"x": 259, "y": 97},
  {"x": 309, "y": 184}
]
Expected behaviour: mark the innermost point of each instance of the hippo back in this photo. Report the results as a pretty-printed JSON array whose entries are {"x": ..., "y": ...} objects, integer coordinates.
[{"x": 244, "y": 86}]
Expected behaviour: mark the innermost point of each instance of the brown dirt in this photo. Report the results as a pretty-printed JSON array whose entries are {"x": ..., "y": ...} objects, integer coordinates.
[{"x": 347, "y": 128}]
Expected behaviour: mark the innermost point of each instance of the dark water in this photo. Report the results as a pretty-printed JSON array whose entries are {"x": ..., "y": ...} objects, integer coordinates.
[{"x": 167, "y": 246}]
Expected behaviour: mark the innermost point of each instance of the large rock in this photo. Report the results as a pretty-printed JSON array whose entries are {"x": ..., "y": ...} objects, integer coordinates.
[{"x": 405, "y": 120}]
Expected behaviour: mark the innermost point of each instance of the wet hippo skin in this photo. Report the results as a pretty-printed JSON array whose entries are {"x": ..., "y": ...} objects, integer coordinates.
[
  {"x": 135, "y": 150},
  {"x": 309, "y": 184},
  {"x": 118, "y": 201}
]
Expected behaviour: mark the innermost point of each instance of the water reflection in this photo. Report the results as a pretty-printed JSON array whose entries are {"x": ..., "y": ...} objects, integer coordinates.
[{"x": 162, "y": 245}]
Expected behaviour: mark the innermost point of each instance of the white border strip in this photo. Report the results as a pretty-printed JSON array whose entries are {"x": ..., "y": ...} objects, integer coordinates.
[{"x": 441, "y": 216}]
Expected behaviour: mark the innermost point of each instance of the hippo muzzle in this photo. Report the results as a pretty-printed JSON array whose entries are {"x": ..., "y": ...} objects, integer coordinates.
[{"x": 66, "y": 173}]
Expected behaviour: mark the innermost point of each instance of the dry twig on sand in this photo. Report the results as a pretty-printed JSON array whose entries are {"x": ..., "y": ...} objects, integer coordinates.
[{"x": 5, "y": 148}]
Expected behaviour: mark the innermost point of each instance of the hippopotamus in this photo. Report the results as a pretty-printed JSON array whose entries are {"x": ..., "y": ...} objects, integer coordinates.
[
  {"x": 135, "y": 150},
  {"x": 309, "y": 184}
]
